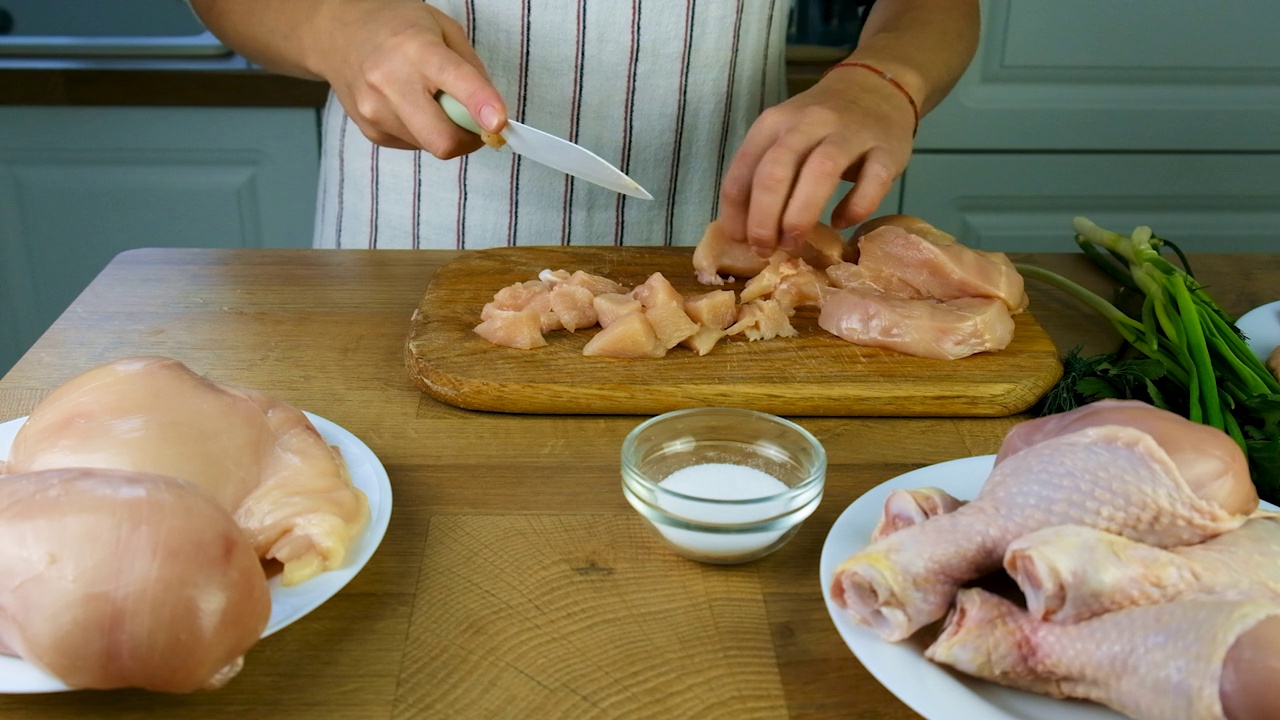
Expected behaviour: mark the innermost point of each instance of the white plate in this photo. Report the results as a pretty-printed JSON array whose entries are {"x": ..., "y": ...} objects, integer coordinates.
[
  {"x": 1262, "y": 326},
  {"x": 932, "y": 690},
  {"x": 287, "y": 603}
]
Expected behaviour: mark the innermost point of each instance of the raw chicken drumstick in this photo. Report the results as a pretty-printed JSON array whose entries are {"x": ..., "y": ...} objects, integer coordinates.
[
  {"x": 1070, "y": 573},
  {"x": 114, "y": 579},
  {"x": 1201, "y": 453},
  {"x": 1112, "y": 477},
  {"x": 259, "y": 457},
  {"x": 904, "y": 508},
  {"x": 1193, "y": 660}
]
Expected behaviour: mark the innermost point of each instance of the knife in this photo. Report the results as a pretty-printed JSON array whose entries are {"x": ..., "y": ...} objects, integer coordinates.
[{"x": 549, "y": 150}]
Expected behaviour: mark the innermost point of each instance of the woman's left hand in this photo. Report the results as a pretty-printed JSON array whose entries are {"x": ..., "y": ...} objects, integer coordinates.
[{"x": 851, "y": 125}]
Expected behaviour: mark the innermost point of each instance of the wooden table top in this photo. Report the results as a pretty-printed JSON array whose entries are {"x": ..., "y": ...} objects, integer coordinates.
[{"x": 514, "y": 580}]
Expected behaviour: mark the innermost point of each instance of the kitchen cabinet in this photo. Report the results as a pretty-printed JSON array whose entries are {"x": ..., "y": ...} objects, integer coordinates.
[
  {"x": 1024, "y": 202},
  {"x": 1142, "y": 113},
  {"x": 80, "y": 184}
]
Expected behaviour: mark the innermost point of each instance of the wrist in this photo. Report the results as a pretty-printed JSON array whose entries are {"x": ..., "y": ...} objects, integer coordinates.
[{"x": 899, "y": 89}]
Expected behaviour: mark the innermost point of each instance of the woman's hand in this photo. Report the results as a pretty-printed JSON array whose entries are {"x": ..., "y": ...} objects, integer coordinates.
[
  {"x": 386, "y": 60},
  {"x": 851, "y": 125}
]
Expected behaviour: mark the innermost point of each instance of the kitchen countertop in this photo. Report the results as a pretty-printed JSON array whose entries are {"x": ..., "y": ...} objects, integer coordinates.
[
  {"x": 230, "y": 81},
  {"x": 514, "y": 579},
  {"x": 155, "y": 84}
]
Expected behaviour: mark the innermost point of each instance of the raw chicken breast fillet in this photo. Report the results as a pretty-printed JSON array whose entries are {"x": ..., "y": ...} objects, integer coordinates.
[
  {"x": 905, "y": 265},
  {"x": 1111, "y": 477},
  {"x": 1158, "y": 662},
  {"x": 112, "y": 579},
  {"x": 924, "y": 328},
  {"x": 258, "y": 457}
]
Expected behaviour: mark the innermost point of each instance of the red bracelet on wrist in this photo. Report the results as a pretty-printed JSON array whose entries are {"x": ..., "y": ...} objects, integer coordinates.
[{"x": 915, "y": 109}]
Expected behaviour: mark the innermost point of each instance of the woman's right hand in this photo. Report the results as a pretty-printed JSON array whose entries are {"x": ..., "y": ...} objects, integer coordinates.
[{"x": 386, "y": 60}]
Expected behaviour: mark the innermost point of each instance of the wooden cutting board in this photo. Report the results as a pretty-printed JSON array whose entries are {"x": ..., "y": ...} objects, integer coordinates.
[{"x": 813, "y": 374}]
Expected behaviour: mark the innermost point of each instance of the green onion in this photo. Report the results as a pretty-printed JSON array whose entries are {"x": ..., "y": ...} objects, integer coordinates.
[{"x": 1182, "y": 352}]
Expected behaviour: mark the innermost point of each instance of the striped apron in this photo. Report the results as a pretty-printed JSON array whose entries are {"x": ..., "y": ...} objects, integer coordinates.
[{"x": 664, "y": 89}]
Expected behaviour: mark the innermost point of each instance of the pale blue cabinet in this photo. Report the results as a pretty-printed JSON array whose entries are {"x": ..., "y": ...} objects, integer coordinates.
[
  {"x": 80, "y": 184},
  {"x": 1153, "y": 113}
]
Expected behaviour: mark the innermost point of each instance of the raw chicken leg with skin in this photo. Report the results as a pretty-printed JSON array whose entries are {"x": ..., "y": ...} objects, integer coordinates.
[
  {"x": 1071, "y": 573},
  {"x": 1220, "y": 470},
  {"x": 114, "y": 579},
  {"x": 1210, "y": 660},
  {"x": 1112, "y": 477},
  {"x": 259, "y": 457}
]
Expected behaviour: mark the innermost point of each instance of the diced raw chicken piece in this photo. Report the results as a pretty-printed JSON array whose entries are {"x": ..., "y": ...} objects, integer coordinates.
[
  {"x": 657, "y": 290},
  {"x": 924, "y": 328},
  {"x": 702, "y": 341},
  {"x": 630, "y": 336},
  {"x": 1204, "y": 660},
  {"x": 670, "y": 323},
  {"x": 259, "y": 457},
  {"x": 850, "y": 275},
  {"x": 574, "y": 306},
  {"x": 1207, "y": 457},
  {"x": 1111, "y": 477},
  {"x": 611, "y": 306},
  {"x": 825, "y": 246},
  {"x": 715, "y": 309},
  {"x": 762, "y": 320},
  {"x": 595, "y": 283},
  {"x": 1273, "y": 362},
  {"x": 767, "y": 281},
  {"x": 717, "y": 255},
  {"x": 532, "y": 295},
  {"x": 113, "y": 579},
  {"x": 1070, "y": 573},
  {"x": 803, "y": 289},
  {"x": 553, "y": 277},
  {"x": 904, "y": 265},
  {"x": 519, "y": 295},
  {"x": 520, "y": 329},
  {"x": 904, "y": 508}
]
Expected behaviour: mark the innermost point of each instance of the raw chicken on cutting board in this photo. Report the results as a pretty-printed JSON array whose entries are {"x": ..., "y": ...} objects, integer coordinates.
[
  {"x": 917, "y": 294},
  {"x": 113, "y": 579},
  {"x": 259, "y": 457}
]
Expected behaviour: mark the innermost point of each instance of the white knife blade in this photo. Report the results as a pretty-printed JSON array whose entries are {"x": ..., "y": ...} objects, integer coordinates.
[{"x": 551, "y": 151}]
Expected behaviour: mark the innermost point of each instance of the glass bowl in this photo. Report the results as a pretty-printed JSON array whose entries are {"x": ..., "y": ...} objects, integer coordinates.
[{"x": 723, "y": 485}]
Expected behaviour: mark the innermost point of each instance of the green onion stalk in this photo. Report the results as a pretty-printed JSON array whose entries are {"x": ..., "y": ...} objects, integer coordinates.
[{"x": 1181, "y": 351}]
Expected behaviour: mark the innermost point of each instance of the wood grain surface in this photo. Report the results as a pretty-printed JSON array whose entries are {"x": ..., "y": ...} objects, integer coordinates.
[
  {"x": 815, "y": 373},
  {"x": 514, "y": 580}
]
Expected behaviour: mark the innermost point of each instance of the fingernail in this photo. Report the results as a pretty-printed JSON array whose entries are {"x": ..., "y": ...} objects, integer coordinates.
[
  {"x": 791, "y": 241},
  {"x": 490, "y": 118}
]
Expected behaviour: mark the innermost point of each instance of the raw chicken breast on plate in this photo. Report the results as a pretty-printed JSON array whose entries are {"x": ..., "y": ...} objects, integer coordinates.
[
  {"x": 258, "y": 457},
  {"x": 112, "y": 578}
]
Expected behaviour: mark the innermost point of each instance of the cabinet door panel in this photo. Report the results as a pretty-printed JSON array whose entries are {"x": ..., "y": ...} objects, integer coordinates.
[
  {"x": 80, "y": 185},
  {"x": 1105, "y": 75},
  {"x": 1025, "y": 202}
]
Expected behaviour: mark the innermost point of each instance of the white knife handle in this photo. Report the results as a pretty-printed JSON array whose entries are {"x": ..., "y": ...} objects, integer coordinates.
[{"x": 457, "y": 113}]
